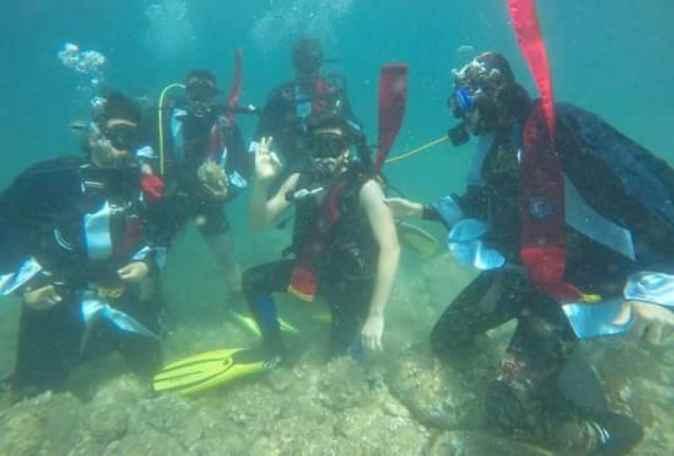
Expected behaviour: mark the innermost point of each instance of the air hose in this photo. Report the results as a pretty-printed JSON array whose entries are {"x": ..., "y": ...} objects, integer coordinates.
[{"x": 160, "y": 119}]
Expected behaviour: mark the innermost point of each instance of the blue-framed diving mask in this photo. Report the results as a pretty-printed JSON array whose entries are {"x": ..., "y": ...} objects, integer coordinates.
[{"x": 461, "y": 102}]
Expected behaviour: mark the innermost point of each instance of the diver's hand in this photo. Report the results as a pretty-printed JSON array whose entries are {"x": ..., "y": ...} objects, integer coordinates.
[
  {"x": 372, "y": 332},
  {"x": 42, "y": 298},
  {"x": 653, "y": 323},
  {"x": 267, "y": 163},
  {"x": 402, "y": 207},
  {"x": 213, "y": 180},
  {"x": 133, "y": 272}
]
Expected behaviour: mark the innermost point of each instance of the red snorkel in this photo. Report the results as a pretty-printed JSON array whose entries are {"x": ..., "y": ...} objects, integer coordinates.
[
  {"x": 235, "y": 90},
  {"x": 542, "y": 249}
]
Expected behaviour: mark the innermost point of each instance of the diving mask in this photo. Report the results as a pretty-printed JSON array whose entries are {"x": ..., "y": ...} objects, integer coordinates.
[
  {"x": 122, "y": 136},
  {"x": 328, "y": 145},
  {"x": 461, "y": 102},
  {"x": 201, "y": 96}
]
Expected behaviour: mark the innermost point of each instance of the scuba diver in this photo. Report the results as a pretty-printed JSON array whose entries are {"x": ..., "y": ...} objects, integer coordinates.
[
  {"x": 344, "y": 241},
  {"x": 78, "y": 256},
  {"x": 289, "y": 106},
  {"x": 208, "y": 166},
  {"x": 574, "y": 240}
]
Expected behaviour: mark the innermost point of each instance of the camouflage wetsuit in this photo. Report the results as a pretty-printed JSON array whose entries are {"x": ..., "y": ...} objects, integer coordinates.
[{"x": 524, "y": 399}]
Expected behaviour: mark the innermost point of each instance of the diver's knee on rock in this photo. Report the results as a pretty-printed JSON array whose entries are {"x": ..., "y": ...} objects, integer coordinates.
[
  {"x": 448, "y": 338},
  {"x": 504, "y": 408}
]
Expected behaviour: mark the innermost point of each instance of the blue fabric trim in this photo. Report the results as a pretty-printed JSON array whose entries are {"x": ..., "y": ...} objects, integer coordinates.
[
  {"x": 652, "y": 287},
  {"x": 466, "y": 245},
  {"x": 94, "y": 309},
  {"x": 595, "y": 320},
  {"x": 265, "y": 308},
  {"x": 28, "y": 269},
  {"x": 302, "y": 106},
  {"x": 449, "y": 211}
]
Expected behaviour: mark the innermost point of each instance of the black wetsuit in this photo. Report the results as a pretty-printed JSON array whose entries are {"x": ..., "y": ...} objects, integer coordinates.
[
  {"x": 345, "y": 269},
  {"x": 186, "y": 198},
  {"x": 285, "y": 114},
  {"x": 45, "y": 213},
  {"x": 610, "y": 172}
]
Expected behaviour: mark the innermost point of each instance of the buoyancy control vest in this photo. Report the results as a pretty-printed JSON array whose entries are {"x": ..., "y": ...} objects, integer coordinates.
[{"x": 350, "y": 246}]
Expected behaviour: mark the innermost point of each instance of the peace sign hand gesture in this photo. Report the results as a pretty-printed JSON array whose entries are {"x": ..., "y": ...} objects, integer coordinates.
[{"x": 267, "y": 163}]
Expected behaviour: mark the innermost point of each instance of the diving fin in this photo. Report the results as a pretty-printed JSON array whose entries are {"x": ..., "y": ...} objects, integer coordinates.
[
  {"x": 287, "y": 327},
  {"x": 322, "y": 317},
  {"x": 417, "y": 239},
  {"x": 249, "y": 324},
  {"x": 208, "y": 370}
]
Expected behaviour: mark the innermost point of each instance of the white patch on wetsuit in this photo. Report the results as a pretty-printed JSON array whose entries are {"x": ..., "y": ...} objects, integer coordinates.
[
  {"x": 61, "y": 241},
  {"x": 177, "y": 132},
  {"x": 97, "y": 233},
  {"x": 146, "y": 152}
]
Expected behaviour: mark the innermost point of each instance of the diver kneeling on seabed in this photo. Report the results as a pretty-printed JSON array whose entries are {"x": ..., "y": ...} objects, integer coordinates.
[
  {"x": 345, "y": 249},
  {"x": 344, "y": 240},
  {"x": 79, "y": 255},
  {"x": 573, "y": 244}
]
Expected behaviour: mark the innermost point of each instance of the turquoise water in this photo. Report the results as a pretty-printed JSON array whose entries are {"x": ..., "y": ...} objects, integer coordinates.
[{"x": 612, "y": 57}]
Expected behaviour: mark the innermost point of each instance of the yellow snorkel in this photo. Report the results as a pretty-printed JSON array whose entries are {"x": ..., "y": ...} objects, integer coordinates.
[{"x": 160, "y": 119}]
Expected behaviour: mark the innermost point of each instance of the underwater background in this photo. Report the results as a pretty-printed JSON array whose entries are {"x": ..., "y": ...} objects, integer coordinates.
[{"x": 613, "y": 57}]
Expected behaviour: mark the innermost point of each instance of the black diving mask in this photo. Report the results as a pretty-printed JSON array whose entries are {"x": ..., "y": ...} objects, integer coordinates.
[
  {"x": 201, "y": 97},
  {"x": 328, "y": 145},
  {"x": 122, "y": 136},
  {"x": 202, "y": 91}
]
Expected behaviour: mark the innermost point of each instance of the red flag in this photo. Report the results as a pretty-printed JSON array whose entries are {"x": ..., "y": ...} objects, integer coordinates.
[
  {"x": 527, "y": 28},
  {"x": 392, "y": 101},
  {"x": 235, "y": 89},
  {"x": 542, "y": 208}
]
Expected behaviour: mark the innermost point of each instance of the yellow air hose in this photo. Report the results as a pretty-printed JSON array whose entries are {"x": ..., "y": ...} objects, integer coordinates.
[
  {"x": 435, "y": 142},
  {"x": 160, "y": 110}
]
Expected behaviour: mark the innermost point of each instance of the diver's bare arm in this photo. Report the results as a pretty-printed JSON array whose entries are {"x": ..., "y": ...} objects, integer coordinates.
[
  {"x": 402, "y": 207},
  {"x": 264, "y": 210},
  {"x": 383, "y": 226}
]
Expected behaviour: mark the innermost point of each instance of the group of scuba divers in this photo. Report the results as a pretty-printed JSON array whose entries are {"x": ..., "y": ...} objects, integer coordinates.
[{"x": 573, "y": 248}]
